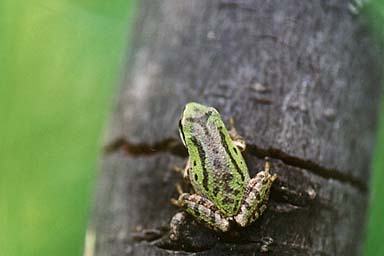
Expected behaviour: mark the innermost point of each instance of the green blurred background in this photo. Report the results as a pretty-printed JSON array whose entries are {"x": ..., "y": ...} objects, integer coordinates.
[
  {"x": 59, "y": 67},
  {"x": 60, "y": 63}
]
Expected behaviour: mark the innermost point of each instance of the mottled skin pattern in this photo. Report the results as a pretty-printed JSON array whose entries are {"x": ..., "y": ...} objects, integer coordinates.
[{"x": 216, "y": 169}]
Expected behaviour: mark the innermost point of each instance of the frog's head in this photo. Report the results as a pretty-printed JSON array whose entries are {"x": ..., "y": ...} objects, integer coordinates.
[
  {"x": 195, "y": 110},
  {"x": 195, "y": 116}
]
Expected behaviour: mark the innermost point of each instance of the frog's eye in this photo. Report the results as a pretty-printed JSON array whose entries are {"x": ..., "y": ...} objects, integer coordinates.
[{"x": 182, "y": 136}]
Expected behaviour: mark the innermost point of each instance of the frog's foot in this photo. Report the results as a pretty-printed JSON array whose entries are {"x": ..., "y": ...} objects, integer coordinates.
[
  {"x": 183, "y": 172},
  {"x": 267, "y": 167},
  {"x": 177, "y": 202},
  {"x": 177, "y": 169},
  {"x": 236, "y": 138},
  {"x": 204, "y": 211},
  {"x": 256, "y": 196}
]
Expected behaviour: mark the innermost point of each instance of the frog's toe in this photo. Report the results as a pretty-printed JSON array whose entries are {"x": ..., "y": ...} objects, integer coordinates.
[
  {"x": 176, "y": 202},
  {"x": 180, "y": 202},
  {"x": 240, "y": 144},
  {"x": 179, "y": 189}
]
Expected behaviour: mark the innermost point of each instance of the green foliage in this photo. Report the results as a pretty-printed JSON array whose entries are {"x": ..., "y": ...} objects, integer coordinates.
[
  {"x": 59, "y": 67},
  {"x": 374, "y": 245}
]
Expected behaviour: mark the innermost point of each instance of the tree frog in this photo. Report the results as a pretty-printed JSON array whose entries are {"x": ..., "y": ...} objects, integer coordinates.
[{"x": 224, "y": 193}]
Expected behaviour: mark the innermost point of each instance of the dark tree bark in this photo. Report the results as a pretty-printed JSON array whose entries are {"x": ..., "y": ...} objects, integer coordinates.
[{"x": 301, "y": 80}]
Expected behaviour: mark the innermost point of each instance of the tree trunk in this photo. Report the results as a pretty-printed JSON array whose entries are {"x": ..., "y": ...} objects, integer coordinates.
[{"x": 301, "y": 79}]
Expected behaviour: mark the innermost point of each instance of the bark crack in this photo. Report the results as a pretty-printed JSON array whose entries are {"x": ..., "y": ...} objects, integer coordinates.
[
  {"x": 170, "y": 145},
  {"x": 315, "y": 168},
  {"x": 175, "y": 147}
]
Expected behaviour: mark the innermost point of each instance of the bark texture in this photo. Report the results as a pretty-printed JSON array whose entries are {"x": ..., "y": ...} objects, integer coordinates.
[{"x": 301, "y": 80}]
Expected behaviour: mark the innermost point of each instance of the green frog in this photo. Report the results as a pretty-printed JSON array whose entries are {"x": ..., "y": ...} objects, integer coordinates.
[{"x": 224, "y": 192}]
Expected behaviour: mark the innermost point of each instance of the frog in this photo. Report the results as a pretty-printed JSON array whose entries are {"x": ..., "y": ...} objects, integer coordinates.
[{"x": 223, "y": 194}]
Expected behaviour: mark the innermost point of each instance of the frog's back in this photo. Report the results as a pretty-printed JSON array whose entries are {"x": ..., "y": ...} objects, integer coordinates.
[{"x": 218, "y": 170}]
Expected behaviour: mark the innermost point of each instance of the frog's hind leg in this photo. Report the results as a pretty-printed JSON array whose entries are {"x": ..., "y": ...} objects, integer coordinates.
[
  {"x": 204, "y": 210},
  {"x": 255, "y": 198},
  {"x": 236, "y": 138}
]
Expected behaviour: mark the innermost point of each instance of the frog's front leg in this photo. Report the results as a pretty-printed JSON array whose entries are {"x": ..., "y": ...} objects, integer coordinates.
[
  {"x": 256, "y": 196},
  {"x": 236, "y": 138},
  {"x": 204, "y": 210},
  {"x": 184, "y": 171}
]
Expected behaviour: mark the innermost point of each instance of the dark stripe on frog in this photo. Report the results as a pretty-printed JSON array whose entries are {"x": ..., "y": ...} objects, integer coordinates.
[
  {"x": 233, "y": 201},
  {"x": 259, "y": 209},
  {"x": 181, "y": 131},
  {"x": 247, "y": 206},
  {"x": 202, "y": 120},
  {"x": 235, "y": 192},
  {"x": 212, "y": 216},
  {"x": 202, "y": 157},
  {"x": 216, "y": 191},
  {"x": 228, "y": 200},
  {"x": 196, "y": 209},
  {"x": 224, "y": 143}
]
